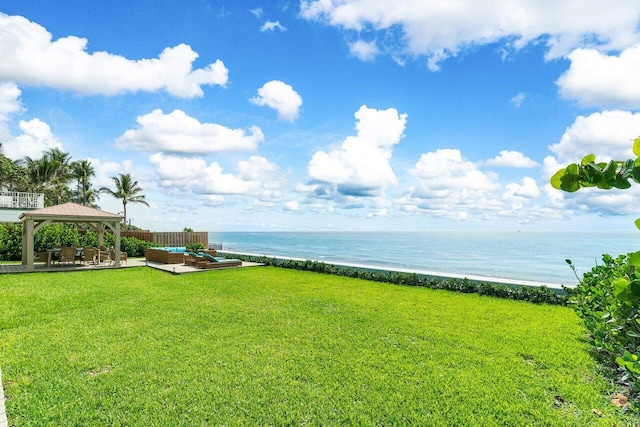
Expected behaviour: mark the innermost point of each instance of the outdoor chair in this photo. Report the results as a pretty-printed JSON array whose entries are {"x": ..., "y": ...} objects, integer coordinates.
[
  {"x": 90, "y": 254},
  {"x": 41, "y": 257},
  {"x": 67, "y": 255},
  {"x": 192, "y": 258},
  {"x": 207, "y": 261},
  {"x": 112, "y": 255}
]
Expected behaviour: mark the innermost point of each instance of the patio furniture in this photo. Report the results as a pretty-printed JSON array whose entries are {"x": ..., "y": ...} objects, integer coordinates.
[
  {"x": 112, "y": 255},
  {"x": 41, "y": 257},
  {"x": 191, "y": 258},
  {"x": 209, "y": 261},
  {"x": 90, "y": 254},
  {"x": 67, "y": 255}
]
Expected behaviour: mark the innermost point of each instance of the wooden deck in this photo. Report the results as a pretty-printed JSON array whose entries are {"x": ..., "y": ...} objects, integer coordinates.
[{"x": 134, "y": 262}]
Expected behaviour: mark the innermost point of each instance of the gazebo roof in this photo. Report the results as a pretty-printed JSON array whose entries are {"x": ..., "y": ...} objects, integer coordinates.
[{"x": 71, "y": 212}]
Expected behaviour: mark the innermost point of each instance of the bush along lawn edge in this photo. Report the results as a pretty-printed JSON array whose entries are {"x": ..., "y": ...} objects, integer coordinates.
[{"x": 536, "y": 295}]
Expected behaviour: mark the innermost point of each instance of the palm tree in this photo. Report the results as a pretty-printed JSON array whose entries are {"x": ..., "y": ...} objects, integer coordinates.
[
  {"x": 82, "y": 171},
  {"x": 127, "y": 190}
]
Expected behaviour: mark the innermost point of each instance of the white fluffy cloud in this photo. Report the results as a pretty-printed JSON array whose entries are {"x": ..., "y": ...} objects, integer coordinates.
[
  {"x": 36, "y": 138},
  {"x": 450, "y": 187},
  {"x": 445, "y": 174},
  {"x": 512, "y": 159},
  {"x": 360, "y": 166},
  {"x": 598, "y": 79},
  {"x": 608, "y": 134},
  {"x": 528, "y": 189},
  {"x": 281, "y": 97},
  {"x": 255, "y": 177},
  {"x": 9, "y": 100},
  {"x": 177, "y": 132},
  {"x": 30, "y": 56},
  {"x": 177, "y": 171},
  {"x": 442, "y": 29},
  {"x": 292, "y": 206},
  {"x": 364, "y": 51}
]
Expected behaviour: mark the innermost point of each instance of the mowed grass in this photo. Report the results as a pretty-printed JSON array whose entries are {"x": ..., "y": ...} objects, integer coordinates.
[{"x": 267, "y": 346}]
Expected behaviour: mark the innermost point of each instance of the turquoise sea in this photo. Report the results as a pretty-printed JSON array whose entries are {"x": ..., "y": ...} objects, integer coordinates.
[{"x": 527, "y": 255}]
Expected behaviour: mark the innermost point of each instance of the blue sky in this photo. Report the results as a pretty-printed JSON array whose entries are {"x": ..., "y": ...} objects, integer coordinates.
[{"x": 330, "y": 114}]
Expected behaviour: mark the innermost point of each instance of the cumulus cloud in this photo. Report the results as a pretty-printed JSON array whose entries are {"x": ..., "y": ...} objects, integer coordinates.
[
  {"x": 528, "y": 189},
  {"x": 608, "y": 134},
  {"x": 255, "y": 177},
  {"x": 263, "y": 181},
  {"x": 177, "y": 132},
  {"x": 438, "y": 30},
  {"x": 292, "y": 206},
  {"x": 512, "y": 159},
  {"x": 444, "y": 174},
  {"x": 448, "y": 186},
  {"x": 360, "y": 166},
  {"x": 9, "y": 101},
  {"x": 177, "y": 171},
  {"x": 36, "y": 138},
  {"x": 281, "y": 97},
  {"x": 30, "y": 56},
  {"x": 272, "y": 26},
  {"x": 364, "y": 51},
  {"x": 598, "y": 79}
]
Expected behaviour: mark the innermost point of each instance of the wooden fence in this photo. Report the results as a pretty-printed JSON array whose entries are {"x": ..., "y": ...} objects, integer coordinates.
[{"x": 170, "y": 238}]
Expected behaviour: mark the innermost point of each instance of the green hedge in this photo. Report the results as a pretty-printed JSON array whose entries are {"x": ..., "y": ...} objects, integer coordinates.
[
  {"x": 61, "y": 234},
  {"x": 612, "y": 317},
  {"x": 538, "y": 295}
]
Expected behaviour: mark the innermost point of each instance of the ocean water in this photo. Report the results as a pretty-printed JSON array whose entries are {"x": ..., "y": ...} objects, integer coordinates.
[{"x": 527, "y": 255}]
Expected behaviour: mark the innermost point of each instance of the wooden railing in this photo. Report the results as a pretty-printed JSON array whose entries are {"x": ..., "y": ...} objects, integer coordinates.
[{"x": 170, "y": 238}]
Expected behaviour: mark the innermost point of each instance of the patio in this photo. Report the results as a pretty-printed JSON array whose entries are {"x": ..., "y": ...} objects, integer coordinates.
[{"x": 131, "y": 262}]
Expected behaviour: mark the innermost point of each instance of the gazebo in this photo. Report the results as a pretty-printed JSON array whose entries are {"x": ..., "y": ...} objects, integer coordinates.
[{"x": 67, "y": 212}]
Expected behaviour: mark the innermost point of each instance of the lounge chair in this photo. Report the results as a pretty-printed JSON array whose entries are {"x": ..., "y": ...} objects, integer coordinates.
[
  {"x": 192, "y": 258},
  {"x": 209, "y": 261}
]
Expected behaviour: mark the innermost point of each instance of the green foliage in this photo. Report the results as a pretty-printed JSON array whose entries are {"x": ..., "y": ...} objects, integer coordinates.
[
  {"x": 539, "y": 295},
  {"x": 62, "y": 234},
  {"x": 607, "y": 300},
  {"x": 10, "y": 241},
  {"x": 603, "y": 175},
  {"x": 195, "y": 247}
]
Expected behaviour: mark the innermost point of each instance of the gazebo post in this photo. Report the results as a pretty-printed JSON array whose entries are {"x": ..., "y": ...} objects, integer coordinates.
[
  {"x": 117, "y": 248},
  {"x": 27, "y": 245},
  {"x": 101, "y": 235}
]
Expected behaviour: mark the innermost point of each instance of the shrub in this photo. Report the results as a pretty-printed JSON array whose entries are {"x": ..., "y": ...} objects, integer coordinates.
[
  {"x": 61, "y": 234},
  {"x": 541, "y": 295},
  {"x": 607, "y": 299},
  {"x": 194, "y": 247}
]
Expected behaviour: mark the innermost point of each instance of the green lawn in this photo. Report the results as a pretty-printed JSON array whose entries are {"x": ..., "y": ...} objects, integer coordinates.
[{"x": 267, "y": 346}]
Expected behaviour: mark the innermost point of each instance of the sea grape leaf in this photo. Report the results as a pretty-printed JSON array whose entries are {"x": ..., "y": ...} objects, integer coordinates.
[
  {"x": 589, "y": 158},
  {"x": 637, "y": 222},
  {"x": 556, "y": 181},
  {"x": 634, "y": 258},
  {"x": 636, "y": 147},
  {"x": 621, "y": 289}
]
